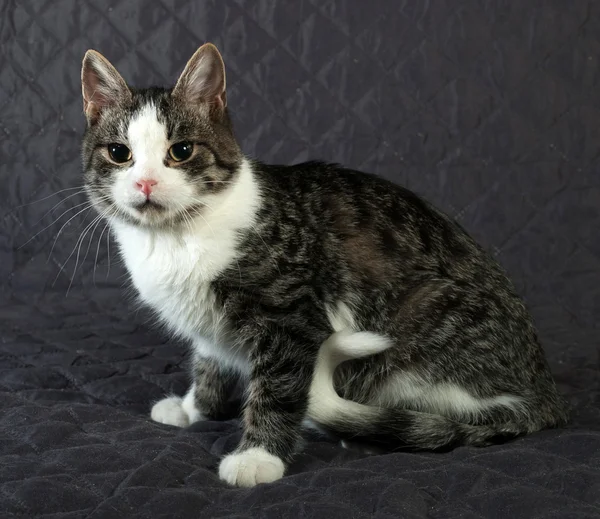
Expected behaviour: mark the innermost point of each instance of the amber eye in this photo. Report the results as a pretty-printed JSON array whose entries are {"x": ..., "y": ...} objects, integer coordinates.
[
  {"x": 181, "y": 151},
  {"x": 119, "y": 153}
]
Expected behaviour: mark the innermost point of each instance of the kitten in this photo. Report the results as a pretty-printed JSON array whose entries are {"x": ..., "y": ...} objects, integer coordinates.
[{"x": 339, "y": 297}]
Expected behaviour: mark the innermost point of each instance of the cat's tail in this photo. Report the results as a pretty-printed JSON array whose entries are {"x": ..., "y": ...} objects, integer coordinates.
[{"x": 391, "y": 426}]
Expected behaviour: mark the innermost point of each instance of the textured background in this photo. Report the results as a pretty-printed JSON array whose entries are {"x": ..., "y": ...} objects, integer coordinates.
[{"x": 489, "y": 108}]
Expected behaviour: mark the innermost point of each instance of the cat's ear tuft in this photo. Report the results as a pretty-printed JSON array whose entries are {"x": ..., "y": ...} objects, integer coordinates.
[
  {"x": 203, "y": 79},
  {"x": 101, "y": 85}
]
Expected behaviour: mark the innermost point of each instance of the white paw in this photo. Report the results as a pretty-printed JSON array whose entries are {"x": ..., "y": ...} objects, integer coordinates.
[
  {"x": 251, "y": 467},
  {"x": 169, "y": 411}
]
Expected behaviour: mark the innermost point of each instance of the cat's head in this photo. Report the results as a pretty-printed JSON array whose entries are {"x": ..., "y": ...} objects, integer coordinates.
[{"x": 154, "y": 156}]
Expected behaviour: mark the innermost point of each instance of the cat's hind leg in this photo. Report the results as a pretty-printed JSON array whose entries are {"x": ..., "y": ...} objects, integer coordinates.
[{"x": 448, "y": 417}]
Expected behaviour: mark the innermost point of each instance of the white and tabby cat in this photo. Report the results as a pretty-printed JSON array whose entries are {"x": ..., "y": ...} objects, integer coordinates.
[{"x": 339, "y": 297}]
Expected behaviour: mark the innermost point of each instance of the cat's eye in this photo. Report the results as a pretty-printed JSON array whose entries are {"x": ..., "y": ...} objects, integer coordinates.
[
  {"x": 181, "y": 151},
  {"x": 119, "y": 153}
]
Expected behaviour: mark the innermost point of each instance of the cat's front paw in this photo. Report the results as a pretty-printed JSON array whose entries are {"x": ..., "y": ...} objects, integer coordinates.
[
  {"x": 170, "y": 411},
  {"x": 251, "y": 467}
]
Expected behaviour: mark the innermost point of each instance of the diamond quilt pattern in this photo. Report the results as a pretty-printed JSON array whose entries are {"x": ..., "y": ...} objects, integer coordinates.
[{"x": 489, "y": 108}]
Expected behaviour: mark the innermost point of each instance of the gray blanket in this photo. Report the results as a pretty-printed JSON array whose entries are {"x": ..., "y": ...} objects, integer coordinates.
[{"x": 490, "y": 109}]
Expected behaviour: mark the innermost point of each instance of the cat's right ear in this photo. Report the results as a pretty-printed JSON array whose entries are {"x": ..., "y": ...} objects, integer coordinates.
[{"x": 101, "y": 85}]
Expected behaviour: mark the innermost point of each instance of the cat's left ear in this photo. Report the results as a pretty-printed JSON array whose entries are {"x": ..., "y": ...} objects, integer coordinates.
[{"x": 203, "y": 79}]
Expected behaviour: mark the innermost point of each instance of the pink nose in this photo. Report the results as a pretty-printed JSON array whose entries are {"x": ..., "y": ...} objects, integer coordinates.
[{"x": 145, "y": 186}]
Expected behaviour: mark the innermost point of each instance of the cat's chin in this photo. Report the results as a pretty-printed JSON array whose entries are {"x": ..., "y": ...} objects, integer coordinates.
[{"x": 154, "y": 218}]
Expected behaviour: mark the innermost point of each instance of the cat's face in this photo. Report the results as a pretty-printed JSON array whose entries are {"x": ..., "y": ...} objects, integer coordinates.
[{"x": 155, "y": 157}]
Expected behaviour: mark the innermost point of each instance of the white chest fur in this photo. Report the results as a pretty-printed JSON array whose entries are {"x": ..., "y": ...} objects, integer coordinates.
[
  {"x": 172, "y": 274},
  {"x": 173, "y": 271}
]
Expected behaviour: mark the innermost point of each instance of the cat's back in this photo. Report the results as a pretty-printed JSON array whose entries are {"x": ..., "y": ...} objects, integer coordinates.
[
  {"x": 321, "y": 186},
  {"x": 370, "y": 211}
]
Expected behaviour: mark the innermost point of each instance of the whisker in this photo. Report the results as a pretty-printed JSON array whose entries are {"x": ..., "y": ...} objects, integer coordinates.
[
  {"x": 98, "y": 250},
  {"x": 98, "y": 218},
  {"x": 50, "y": 225},
  {"x": 49, "y": 196},
  {"x": 91, "y": 204},
  {"x": 108, "y": 253},
  {"x": 80, "y": 241},
  {"x": 59, "y": 203},
  {"x": 83, "y": 233}
]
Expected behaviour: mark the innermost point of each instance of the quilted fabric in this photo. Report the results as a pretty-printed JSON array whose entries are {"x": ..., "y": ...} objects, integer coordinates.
[{"x": 489, "y": 108}]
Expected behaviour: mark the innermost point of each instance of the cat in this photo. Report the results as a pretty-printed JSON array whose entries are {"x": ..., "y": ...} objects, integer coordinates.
[{"x": 340, "y": 299}]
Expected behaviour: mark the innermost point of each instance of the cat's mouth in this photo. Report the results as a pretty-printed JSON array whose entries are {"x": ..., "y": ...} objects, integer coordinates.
[
  {"x": 149, "y": 205},
  {"x": 150, "y": 212},
  {"x": 157, "y": 212}
]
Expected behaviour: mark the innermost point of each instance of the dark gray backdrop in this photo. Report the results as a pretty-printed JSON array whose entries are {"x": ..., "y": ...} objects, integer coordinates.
[{"x": 489, "y": 108}]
